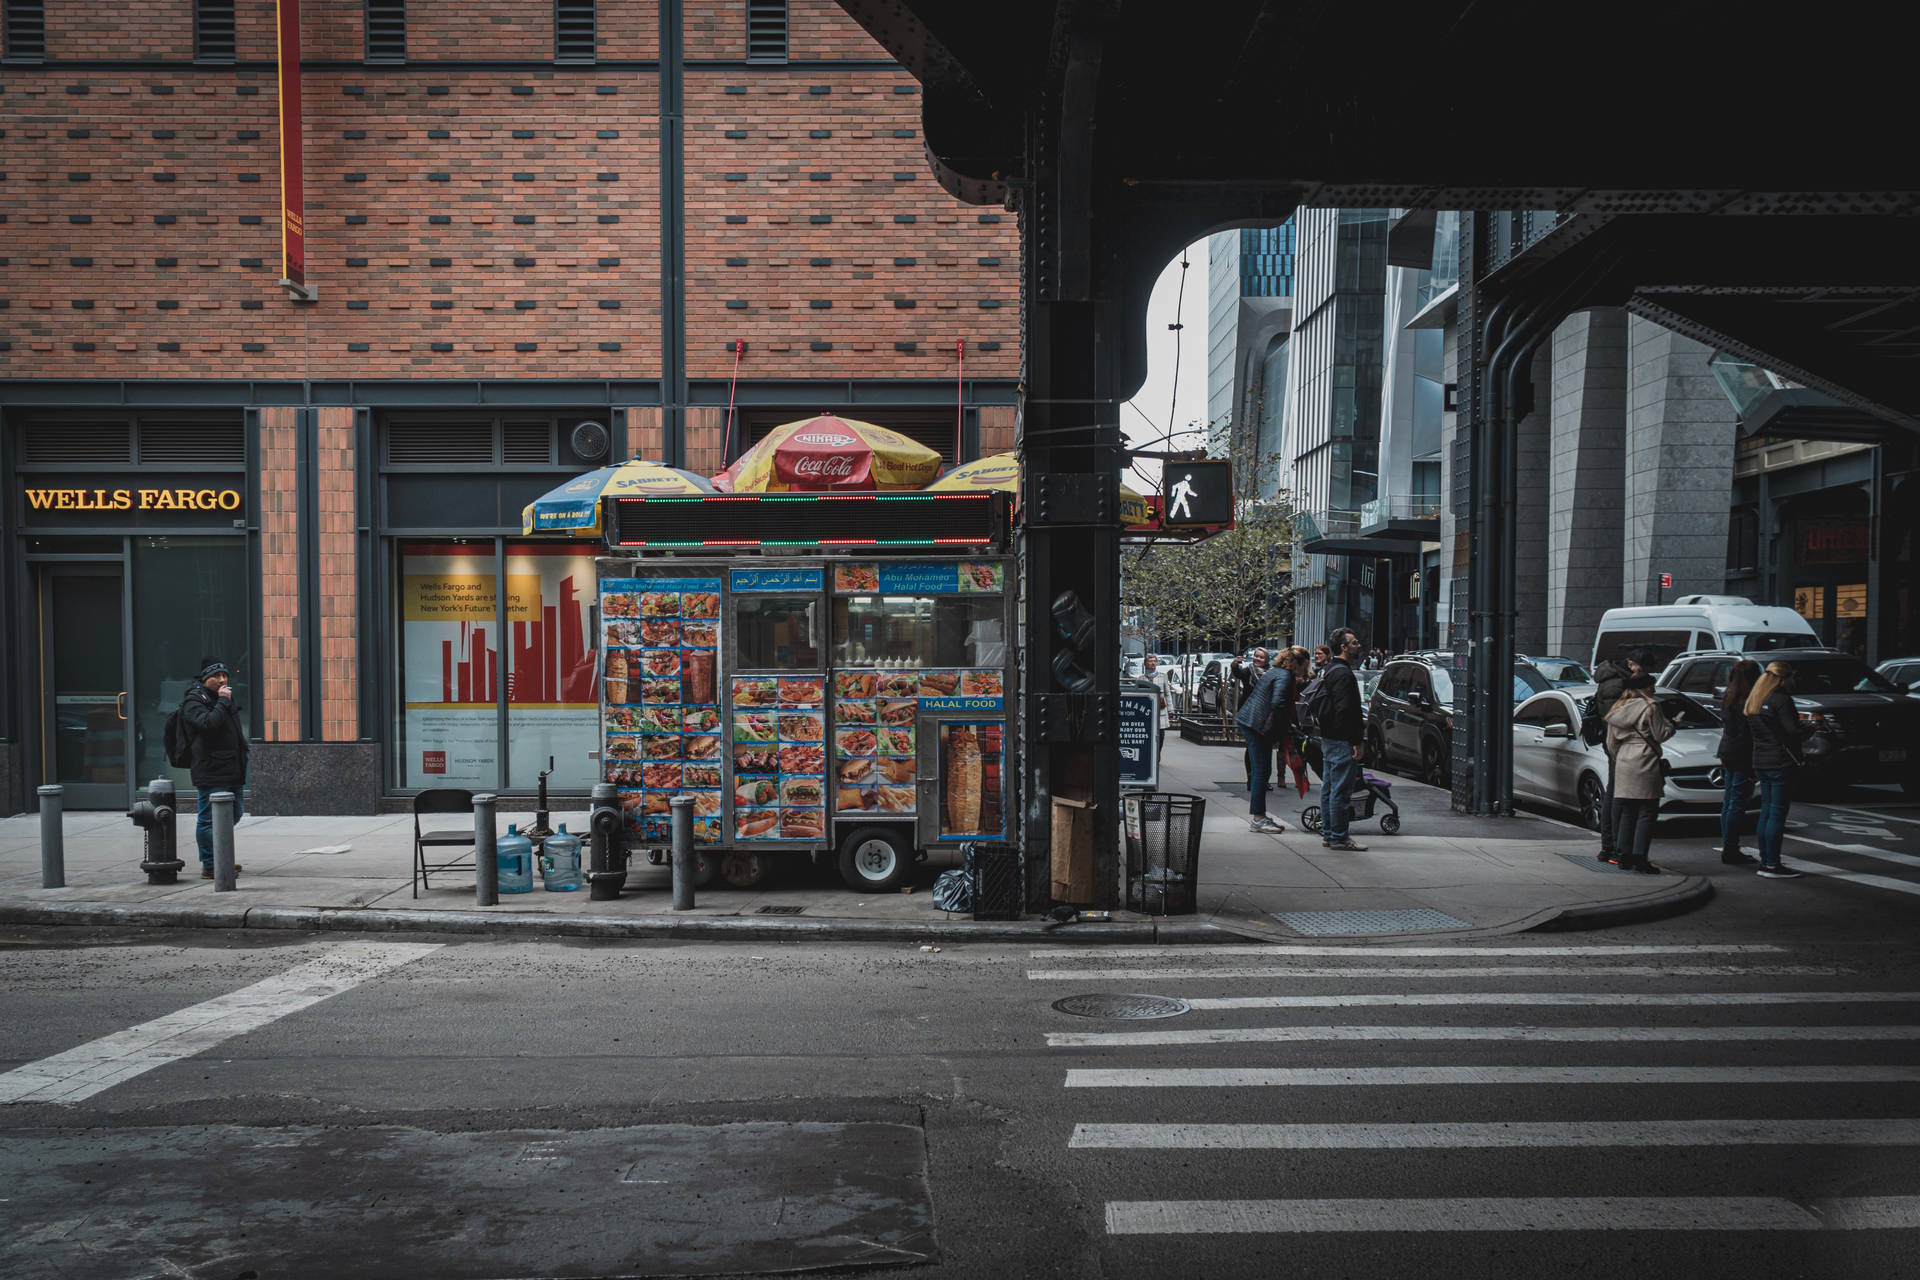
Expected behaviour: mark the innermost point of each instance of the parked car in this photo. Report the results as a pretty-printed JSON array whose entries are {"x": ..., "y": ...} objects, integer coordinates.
[
  {"x": 1865, "y": 729},
  {"x": 1560, "y": 672},
  {"x": 1367, "y": 681},
  {"x": 1409, "y": 716},
  {"x": 1553, "y": 765},
  {"x": 1904, "y": 673},
  {"x": 1696, "y": 623}
]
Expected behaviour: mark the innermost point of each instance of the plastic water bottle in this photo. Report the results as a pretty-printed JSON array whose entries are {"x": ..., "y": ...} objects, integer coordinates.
[
  {"x": 560, "y": 861},
  {"x": 514, "y": 854}
]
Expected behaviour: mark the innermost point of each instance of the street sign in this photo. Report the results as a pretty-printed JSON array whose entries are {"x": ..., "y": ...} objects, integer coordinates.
[
  {"x": 1666, "y": 580},
  {"x": 1139, "y": 738},
  {"x": 1196, "y": 493}
]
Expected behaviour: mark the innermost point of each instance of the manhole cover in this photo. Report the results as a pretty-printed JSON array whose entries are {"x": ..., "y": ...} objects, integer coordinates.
[
  {"x": 1405, "y": 920},
  {"x": 1130, "y": 1007},
  {"x": 779, "y": 911}
]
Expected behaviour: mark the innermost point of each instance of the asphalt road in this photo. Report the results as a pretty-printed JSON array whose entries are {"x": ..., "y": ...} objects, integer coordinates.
[{"x": 1742, "y": 1100}]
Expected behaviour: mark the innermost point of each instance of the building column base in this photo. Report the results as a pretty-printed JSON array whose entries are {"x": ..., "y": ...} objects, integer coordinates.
[{"x": 313, "y": 778}]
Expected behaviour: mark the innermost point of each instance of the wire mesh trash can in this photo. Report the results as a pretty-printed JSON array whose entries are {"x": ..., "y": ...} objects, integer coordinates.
[
  {"x": 994, "y": 878},
  {"x": 1161, "y": 833}
]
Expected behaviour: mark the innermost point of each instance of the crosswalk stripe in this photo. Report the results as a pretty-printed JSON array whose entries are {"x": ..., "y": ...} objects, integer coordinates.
[
  {"x": 1598, "y": 1213},
  {"x": 1496, "y": 1077},
  {"x": 1598, "y": 1035},
  {"x": 1857, "y": 877},
  {"x": 1355, "y": 952},
  {"x": 1567, "y": 998},
  {"x": 81, "y": 1072},
  {"x": 1863, "y": 850},
  {"x": 1448, "y": 1136},
  {"x": 1877, "y": 816},
  {"x": 1439, "y": 974}
]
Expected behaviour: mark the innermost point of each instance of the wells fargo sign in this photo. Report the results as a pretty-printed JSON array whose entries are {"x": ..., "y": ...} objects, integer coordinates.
[{"x": 133, "y": 499}]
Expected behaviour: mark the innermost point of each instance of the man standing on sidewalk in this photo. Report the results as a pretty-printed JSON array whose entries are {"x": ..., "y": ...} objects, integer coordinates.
[
  {"x": 1342, "y": 734},
  {"x": 219, "y": 750}
]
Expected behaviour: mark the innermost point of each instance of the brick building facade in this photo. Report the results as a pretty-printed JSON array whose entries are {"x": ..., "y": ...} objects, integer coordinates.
[{"x": 508, "y": 236}]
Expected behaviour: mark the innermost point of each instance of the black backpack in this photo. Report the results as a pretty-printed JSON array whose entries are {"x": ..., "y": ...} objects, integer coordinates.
[
  {"x": 1312, "y": 701},
  {"x": 176, "y": 739}
]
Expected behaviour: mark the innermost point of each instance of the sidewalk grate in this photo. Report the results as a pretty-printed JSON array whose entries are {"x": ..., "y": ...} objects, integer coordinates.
[
  {"x": 779, "y": 911},
  {"x": 1592, "y": 863},
  {"x": 1405, "y": 920}
]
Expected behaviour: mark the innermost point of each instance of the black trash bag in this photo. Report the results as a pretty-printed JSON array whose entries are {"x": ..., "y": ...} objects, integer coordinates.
[{"x": 953, "y": 890}]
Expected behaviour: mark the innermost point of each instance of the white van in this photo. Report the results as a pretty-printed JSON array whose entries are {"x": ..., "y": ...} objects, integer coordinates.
[{"x": 1732, "y": 623}]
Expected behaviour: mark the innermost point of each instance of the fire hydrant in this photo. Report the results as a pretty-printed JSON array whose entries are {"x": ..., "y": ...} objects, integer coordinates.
[
  {"x": 607, "y": 860},
  {"x": 156, "y": 816}
]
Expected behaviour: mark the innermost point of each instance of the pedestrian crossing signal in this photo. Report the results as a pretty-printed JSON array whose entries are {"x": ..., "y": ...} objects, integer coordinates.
[{"x": 1196, "y": 493}]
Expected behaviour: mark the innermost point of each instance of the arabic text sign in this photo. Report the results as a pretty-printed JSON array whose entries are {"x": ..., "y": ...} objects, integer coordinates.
[{"x": 776, "y": 579}]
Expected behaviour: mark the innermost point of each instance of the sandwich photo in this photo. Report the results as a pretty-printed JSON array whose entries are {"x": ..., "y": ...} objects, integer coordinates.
[
  {"x": 706, "y": 746},
  {"x": 939, "y": 684},
  {"x": 897, "y": 769},
  {"x": 748, "y": 792},
  {"x": 754, "y": 691},
  {"x": 660, "y": 720},
  {"x": 756, "y": 824},
  {"x": 753, "y": 727},
  {"x": 803, "y": 824},
  {"x": 899, "y": 712},
  {"x": 860, "y": 712},
  {"x": 855, "y": 799},
  {"x": 623, "y": 749},
  {"x": 807, "y": 792},
  {"x": 802, "y": 726},
  {"x": 700, "y": 719},
  {"x": 660, "y": 746},
  {"x": 858, "y": 769},
  {"x": 899, "y": 684},
  {"x": 855, "y": 684}
]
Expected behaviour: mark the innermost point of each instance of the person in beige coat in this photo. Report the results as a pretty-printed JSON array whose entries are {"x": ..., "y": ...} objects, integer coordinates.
[{"x": 1635, "y": 730}]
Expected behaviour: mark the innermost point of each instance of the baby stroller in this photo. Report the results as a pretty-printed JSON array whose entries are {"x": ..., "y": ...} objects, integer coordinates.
[{"x": 1367, "y": 792}]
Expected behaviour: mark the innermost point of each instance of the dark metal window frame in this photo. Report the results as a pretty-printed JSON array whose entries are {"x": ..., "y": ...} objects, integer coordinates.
[
  {"x": 496, "y": 422},
  {"x": 216, "y": 38},
  {"x": 576, "y": 32},
  {"x": 388, "y": 18},
  {"x": 26, "y": 31},
  {"x": 766, "y": 25}
]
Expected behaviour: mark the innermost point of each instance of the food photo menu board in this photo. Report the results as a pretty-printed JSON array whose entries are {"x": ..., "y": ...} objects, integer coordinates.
[
  {"x": 875, "y": 715},
  {"x": 779, "y": 757},
  {"x": 662, "y": 722}
]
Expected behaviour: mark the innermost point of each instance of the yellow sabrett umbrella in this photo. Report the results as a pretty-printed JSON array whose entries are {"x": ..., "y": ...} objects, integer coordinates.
[
  {"x": 1002, "y": 471},
  {"x": 574, "y": 507},
  {"x": 828, "y": 452}
]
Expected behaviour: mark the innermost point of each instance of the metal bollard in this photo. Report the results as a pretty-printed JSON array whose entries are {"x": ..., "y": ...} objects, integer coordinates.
[
  {"x": 486, "y": 853},
  {"x": 223, "y": 877},
  {"x": 606, "y": 872},
  {"x": 684, "y": 866},
  {"x": 53, "y": 844}
]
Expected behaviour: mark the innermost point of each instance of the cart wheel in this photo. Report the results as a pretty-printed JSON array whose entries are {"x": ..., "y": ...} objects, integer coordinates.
[
  {"x": 1390, "y": 823},
  {"x": 705, "y": 867},
  {"x": 1310, "y": 817},
  {"x": 875, "y": 859},
  {"x": 743, "y": 868}
]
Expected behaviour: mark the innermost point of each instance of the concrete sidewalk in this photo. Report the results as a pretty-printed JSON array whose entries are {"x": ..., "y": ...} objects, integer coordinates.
[{"x": 1443, "y": 876}]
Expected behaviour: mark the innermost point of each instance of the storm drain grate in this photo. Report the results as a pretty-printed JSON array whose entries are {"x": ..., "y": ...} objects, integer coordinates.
[
  {"x": 1132, "y": 1008},
  {"x": 1405, "y": 920},
  {"x": 1592, "y": 863},
  {"x": 779, "y": 911}
]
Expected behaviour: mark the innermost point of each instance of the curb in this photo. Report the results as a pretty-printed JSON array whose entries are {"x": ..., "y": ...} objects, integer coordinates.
[
  {"x": 1690, "y": 895},
  {"x": 698, "y": 928}
]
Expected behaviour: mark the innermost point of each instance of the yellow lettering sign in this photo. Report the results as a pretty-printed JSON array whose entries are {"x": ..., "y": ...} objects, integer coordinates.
[{"x": 133, "y": 499}]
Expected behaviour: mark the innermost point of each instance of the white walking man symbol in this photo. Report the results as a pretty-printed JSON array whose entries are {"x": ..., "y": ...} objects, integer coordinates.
[{"x": 1180, "y": 494}]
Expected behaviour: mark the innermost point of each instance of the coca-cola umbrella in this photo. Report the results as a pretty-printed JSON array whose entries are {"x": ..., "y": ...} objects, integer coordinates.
[
  {"x": 1002, "y": 471},
  {"x": 574, "y": 507},
  {"x": 828, "y": 452}
]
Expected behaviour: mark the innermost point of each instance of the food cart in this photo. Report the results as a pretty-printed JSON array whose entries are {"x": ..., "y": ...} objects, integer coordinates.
[{"x": 827, "y": 675}]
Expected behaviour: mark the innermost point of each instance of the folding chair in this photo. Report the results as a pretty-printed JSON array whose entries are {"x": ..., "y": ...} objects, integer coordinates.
[{"x": 440, "y": 800}]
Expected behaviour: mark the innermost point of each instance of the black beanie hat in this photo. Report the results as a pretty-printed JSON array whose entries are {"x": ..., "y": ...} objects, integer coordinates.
[{"x": 211, "y": 667}]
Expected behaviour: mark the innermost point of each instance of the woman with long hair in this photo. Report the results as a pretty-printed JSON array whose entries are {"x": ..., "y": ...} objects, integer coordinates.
[
  {"x": 1635, "y": 730},
  {"x": 1777, "y": 738},
  {"x": 1736, "y": 760},
  {"x": 1298, "y": 662}
]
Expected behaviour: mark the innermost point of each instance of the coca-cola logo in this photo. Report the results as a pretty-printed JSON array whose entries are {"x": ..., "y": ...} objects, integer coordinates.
[
  {"x": 837, "y": 467},
  {"x": 825, "y": 439}
]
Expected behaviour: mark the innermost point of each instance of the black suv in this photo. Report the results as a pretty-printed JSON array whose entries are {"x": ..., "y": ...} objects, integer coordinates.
[
  {"x": 1865, "y": 727},
  {"x": 1410, "y": 715}
]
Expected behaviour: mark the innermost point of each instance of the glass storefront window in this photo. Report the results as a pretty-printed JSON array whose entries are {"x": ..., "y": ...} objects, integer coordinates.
[
  {"x": 934, "y": 631},
  {"x": 447, "y": 718},
  {"x": 190, "y": 601},
  {"x": 553, "y": 639},
  {"x": 777, "y": 632}
]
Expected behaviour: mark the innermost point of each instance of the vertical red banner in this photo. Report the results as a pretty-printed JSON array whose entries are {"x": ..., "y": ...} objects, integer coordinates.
[{"x": 293, "y": 240}]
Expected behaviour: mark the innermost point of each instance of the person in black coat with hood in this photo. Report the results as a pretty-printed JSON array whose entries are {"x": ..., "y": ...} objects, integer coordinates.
[
  {"x": 219, "y": 750},
  {"x": 1778, "y": 737}
]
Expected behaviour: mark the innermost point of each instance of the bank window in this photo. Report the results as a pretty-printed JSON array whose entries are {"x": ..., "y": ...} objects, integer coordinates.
[
  {"x": 777, "y": 632},
  {"x": 934, "y": 631},
  {"x": 551, "y": 643}
]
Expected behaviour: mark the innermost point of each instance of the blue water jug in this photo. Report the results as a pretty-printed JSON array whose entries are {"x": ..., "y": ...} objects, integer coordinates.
[
  {"x": 513, "y": 853},
  {"x": 560, "y": 861}
]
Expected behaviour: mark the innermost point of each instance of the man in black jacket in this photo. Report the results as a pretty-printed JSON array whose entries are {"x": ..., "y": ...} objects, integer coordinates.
[
  {"x": 219, "y": 750},
  {"x": 1342, "y": 735}
]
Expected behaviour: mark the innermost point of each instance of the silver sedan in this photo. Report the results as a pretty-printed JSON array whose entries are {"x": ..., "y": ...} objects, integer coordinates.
[{"x": 1553, "y": 765}]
